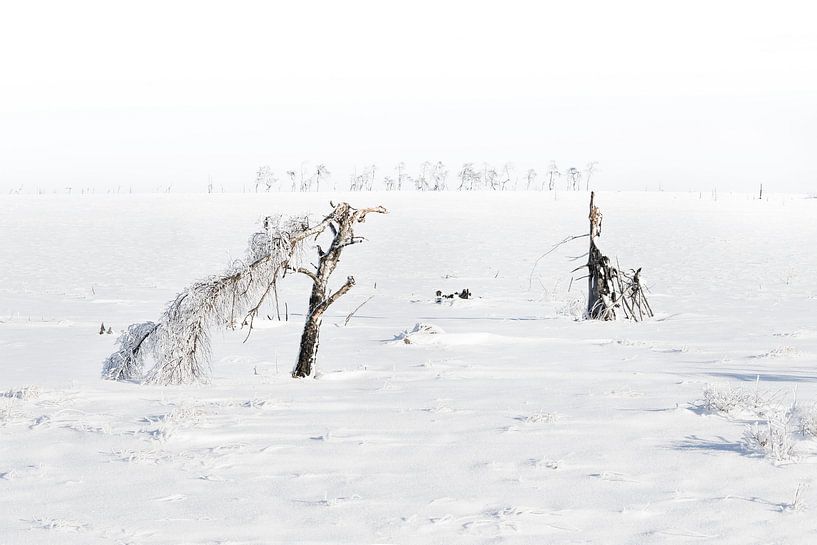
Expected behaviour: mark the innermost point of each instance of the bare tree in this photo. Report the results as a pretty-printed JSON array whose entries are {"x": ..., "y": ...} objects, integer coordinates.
[
  {"x": 342, "y": 222},
  {"x": 421, "y": 181},
  {"x": 588, "y": 171},
  {"x": 305, "y": 181},
  {"x": 490, "y": 177},
  {"x": 552, "y": 175},
  {"x": 264, "y": 179},
  {"x": 320, "y": 172},
  {"x": 370, "y": 174},
  {"x": 401, "y": 175},
  {"x": 439, "y": 174},
  {"x": 364, "y": 180},
  {"x": 467, "y": 176},
  {"x": 291, "y": 174},
  {"x": 179, "y": 343},
  {"x": 507, "y": 169},
  {"x": 574, "y": 178},
  {"x": 531, "y": 179}
]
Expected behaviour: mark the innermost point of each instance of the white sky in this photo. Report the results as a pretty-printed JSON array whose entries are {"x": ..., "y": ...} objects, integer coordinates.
[{"x": 688, "y": 95}]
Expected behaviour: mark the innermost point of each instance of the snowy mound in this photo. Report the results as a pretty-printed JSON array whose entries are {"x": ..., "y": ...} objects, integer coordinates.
[{"x": 421, "y": 333}]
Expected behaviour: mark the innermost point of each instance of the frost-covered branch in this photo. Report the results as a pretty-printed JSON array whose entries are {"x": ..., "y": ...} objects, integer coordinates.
[{"x": 178, "y": 345}]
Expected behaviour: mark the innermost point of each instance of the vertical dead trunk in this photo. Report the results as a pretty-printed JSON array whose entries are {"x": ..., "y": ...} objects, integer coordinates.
[
  {"x": 343, "y": 220},
  {"x": 593, "y": 260},
  {"x": 611, "y": 291},
  {"x": 318, "y": 303},
  {"x": 310, "y": 337},
  {"x": 308, "y": 353}
]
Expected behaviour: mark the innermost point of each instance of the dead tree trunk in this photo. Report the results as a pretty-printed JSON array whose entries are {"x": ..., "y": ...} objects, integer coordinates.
[
  {"x": 594, "y": 260},
  {"x": 342, "y": 222},
  {"x": 609, "y": 289}
]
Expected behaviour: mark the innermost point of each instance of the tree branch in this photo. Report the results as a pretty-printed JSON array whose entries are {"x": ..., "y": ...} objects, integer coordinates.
[
  {"x": 307, "y": 272},
  {"x": 326, "y": 303}
]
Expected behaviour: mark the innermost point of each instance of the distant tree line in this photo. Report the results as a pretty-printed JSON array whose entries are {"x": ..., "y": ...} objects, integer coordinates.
[{"x": 430, "y": 176}]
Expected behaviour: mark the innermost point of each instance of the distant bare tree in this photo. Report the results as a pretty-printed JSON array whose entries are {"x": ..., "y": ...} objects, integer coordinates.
[
  {"x": 401, "y": 175},
  {"x": 574, "y": 178},
  {"x": 439, "y": 174},
  {"x": 320, "y": 172},
  {"x": 588, "y": 172},
  {"x": 363, "y": 181},
  {"x": 291, "y": 174},
  {"x": 530, "y": 177},
  {"x": 264, "y": 179},
  {"x": 552, "y": 175},
  {"x": 305, "y": 181},
  {"x": 370, "y": 174},
  {"x": 490, "y": 177},
  {"x": 507, "y": 170},
  {"x": 467, "y": 176},
  {"x": 421, "y": 181}
]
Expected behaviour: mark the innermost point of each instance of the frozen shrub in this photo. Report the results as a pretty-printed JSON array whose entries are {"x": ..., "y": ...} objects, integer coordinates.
[
  {"x": 180, "y": 417},
  {"x": 771, "y": 439},
  {"x": 722, "y": 398},
  {"x": 26, "y": 393},
  {"x": 573, "y": 309},
  {"x": 8, "y": 413},
  {"x": 808, "y": 422}
]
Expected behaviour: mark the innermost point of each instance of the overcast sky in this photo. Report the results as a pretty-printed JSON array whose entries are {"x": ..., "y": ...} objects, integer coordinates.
[{"x": 682, "y": 95}]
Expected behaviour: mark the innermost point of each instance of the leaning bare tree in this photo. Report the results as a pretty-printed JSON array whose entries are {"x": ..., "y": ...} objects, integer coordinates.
[
  {"x": 610, "y": 290},
  {"x": 179, "y": 343}
]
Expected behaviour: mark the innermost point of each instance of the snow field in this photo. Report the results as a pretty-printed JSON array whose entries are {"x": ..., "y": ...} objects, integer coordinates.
[{"x": 513, "y": 423}]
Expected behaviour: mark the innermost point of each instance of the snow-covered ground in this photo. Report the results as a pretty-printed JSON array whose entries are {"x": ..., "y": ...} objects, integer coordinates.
[{"x": 515, "y": 424}]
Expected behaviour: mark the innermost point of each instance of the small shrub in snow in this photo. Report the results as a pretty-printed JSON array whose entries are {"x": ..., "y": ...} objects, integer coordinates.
[
  {"x": 58, "y": 524},
  {"x": 8, "y": 413},
  {"x": 573, "y": 309},
  {"x": 773, "y": 438},
  {"x": 178, "y": 418},
  {"x": 808, "y": 422},
  {"x": 26, "y": 393},
  {"x": 779, "y": 352},
  {"x": 539, "y": 418},
  {"x": 722, "y": 398},
  {"x": 726, "y": 399}
]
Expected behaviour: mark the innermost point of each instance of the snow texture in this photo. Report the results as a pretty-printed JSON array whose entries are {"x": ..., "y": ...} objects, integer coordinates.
[{"x": 514, "y": 423}]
